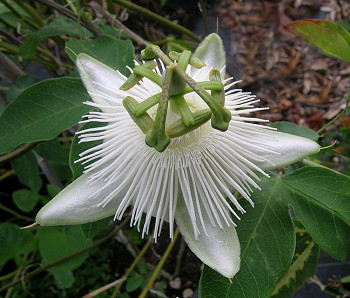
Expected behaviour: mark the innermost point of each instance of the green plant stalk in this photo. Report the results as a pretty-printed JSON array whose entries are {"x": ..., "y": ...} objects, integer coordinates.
[
  {"x": 159, "y": 265},
  {"x": 14, "y": 50},
  {"x": 7, "y": 276},
  {"x": 72, "y": 7},
  {"x": 31, "y": 12},
  {"x": 8, "y": 210},
  {"x": 17, "y": 152},
  {"x": 151, "y": 15},
  {"x": 3, "y": 88},
  {"x": 132, "y": 267},
  {"x": 7, "y": 23},
  {"x": 334, "y": 119},
  {"x": 47, "y": 266},
  {"x": 18, "y": 14},
  {"x": 16, "y": 276}
]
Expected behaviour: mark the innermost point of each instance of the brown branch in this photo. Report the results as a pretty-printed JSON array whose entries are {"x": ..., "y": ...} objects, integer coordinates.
[
  {"x": 17, "y": 152},
  {"x": 71, "y": 15}
]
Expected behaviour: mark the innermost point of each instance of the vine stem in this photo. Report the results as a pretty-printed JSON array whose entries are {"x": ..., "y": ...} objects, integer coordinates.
[
  {"x": 336, "y": 117},
  {"x": 17, "y": 152},
  {"x": 71, "y": 15},
  {"x": 159, "y": 265},
  {"x": 151, "y": 15},
  {"x": 8, "y": 210},
  {"x": 132, "y": 267},
  {"x": 47, "y": 266}
]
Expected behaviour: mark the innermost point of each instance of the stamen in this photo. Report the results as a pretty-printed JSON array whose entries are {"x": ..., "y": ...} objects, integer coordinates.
[
  {"x": 144, "y": 122},
  {"x": 193, "y": 61},
  {"x": 134, "y": 78}
]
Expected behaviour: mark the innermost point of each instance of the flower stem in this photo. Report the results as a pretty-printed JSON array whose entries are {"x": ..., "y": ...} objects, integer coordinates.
[
  {"x": 151, "y": 15},
  {"x": 159, "y": 266},
  {"x": 132, "y": 267}
]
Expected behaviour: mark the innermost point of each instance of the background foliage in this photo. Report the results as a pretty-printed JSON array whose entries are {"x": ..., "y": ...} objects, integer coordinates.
[{"x": 302, "y": 209}]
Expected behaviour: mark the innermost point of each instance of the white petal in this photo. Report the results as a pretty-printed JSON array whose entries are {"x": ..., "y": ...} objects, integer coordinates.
[
  {"x": 218, "y": 248},
  {"x": 287, "y": 149},
  {"x": 211, "y": 51},
  {"x": 101, "y": 81},
  {"x": 77, "y": 205}
]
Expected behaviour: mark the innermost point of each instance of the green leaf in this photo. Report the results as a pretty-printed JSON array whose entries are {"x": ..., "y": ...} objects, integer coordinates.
[
  {"x": 320, "y": 199},
  {"x": 14, "y": 242},
  {"x": 267, "y": 238},
  {"x": 115, "y": 53},
  {"x": 52, "y": 190},
  {"x": 42, "y": 111},
  {"x": 303, "y": 267},
  {"x": 21, "y": 83},
  {"x": 53, "y": 151},
  {"x": 60, "y": 26},
  {"x": 27, "y": 171},
  {"x": 58, "y": 242},
  {"x": 294, "y": 129},
  {"x": 64, "y": 279},
  {"x": 25, "y": 199},
  {"x": 134, "y": 283},
  {"x": 91, "y": 229},
  {"x": 76, "y": 148},
  {"x": 328, "y": 36}
]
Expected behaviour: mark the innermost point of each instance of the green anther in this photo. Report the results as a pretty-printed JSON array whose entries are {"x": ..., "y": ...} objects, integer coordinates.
[
  {"x": 133, "y": 79},
  {"x": 207, "y": 85},
  {"x": 185, "y": 112},
  {"x": 157, "y": 137},
  {"x": 185, "y": 58},
  {"x": 149, "y": 74},
  {"x": 221, "y": 116},
  {"x": 148, "y": 103},
  {"x": 144, "y": 122},
  {"x": 178, "y": 129},
  {"x": 178, "y": 84},
  {"x": 194, "y": 61},
  {"x": 219, "y": 96}
]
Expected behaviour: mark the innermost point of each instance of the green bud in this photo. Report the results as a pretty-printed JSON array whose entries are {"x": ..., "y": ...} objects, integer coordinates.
[
  {"x": 178, "y": 128},
  {"x": 144, "y": 122}
]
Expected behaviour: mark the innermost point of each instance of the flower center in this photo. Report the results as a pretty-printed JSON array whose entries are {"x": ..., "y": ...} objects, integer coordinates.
[{"x": 191, "y": 105}]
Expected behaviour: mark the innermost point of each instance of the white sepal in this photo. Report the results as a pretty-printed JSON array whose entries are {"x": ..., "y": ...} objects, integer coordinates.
[
  {"x": 211, "y": 51},
  {"x": 77, "y": 204},
  {"x": 286, "y": 148},
  {"x": 218, "y": 248}
]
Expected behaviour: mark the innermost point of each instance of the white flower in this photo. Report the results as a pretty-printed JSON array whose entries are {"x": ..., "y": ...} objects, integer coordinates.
[{"x": 192, "y": 181}]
